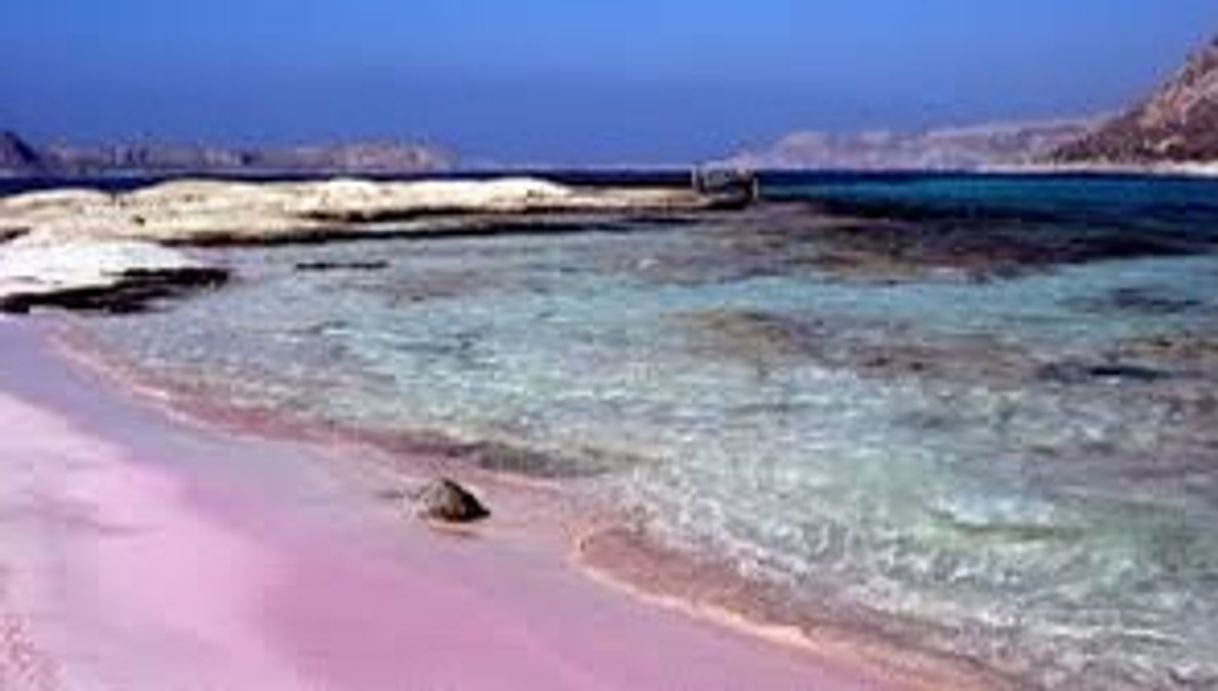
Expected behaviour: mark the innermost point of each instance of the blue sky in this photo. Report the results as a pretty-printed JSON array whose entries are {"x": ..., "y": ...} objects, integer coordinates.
[{"x": 571, "y": 81}]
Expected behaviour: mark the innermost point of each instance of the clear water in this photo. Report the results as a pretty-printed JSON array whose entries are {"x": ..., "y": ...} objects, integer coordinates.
[{"x": 1018, "y": 466}]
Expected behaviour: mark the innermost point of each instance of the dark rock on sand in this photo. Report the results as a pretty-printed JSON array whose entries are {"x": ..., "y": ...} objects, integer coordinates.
[{"x": 446, "y": 501}]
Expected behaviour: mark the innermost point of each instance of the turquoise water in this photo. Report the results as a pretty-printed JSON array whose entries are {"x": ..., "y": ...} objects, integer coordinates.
[{"x": 995, "y": 430}]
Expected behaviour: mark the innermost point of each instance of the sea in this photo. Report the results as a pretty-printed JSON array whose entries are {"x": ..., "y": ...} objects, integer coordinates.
[{"x": 975, "y": 412}]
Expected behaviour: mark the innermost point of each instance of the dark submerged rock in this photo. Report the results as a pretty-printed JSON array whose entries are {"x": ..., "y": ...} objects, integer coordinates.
[
  {"x": 446, "y": 501},
  {"x": 319, "y": 266},
  {"x": 1147, "y": 300},
  {"x": 1194, "y": 350},
  {"x": 1073, "y": 373},
  {"x": 519, "y": 460},
  {"x": 875, "y": 349}
]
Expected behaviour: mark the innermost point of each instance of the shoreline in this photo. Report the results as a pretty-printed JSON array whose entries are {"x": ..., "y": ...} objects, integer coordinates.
[
  {"x": 543, "y": 513},
  {"x": 504, "y": 608},
  {"x": 706, "y": 589}
]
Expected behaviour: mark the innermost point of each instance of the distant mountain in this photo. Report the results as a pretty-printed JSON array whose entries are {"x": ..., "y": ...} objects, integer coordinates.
[
  {"x": 956, "y": 148},
  {"x": 15, "y": 154},
  {"x": 1178, "y": 123},
  {"x": 384, "y": 157},
  {"x": 364, "y": 157}
]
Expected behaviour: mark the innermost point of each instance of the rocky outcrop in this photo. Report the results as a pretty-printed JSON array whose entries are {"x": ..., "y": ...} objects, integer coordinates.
[
  {"x": 16, "y": 156},
  {"x": 211, "y": 211},
  {"x": 115, "y": 277},
  {"x": 1178, "y": 123},
  {"x": 961, "y": 148},
  {"x": 448, "y": 502},
  {"x": 92, "y": 250}
]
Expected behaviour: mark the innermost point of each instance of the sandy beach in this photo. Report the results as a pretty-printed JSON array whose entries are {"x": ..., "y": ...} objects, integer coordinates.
[{"x": 142, "y": 553}]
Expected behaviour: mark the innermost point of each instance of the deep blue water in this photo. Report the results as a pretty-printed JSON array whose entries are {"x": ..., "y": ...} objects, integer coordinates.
[{"x": 977, "y": 411}]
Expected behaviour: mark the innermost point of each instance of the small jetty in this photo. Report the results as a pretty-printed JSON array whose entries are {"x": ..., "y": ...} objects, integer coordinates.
[{"x": 729, "y": 187}]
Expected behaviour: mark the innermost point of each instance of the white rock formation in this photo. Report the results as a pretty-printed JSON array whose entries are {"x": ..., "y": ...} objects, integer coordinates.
[
  {"x": 68, "y": 240},
  {"x": 33, "y": 268},
  {"x": 201, "y": 210}
]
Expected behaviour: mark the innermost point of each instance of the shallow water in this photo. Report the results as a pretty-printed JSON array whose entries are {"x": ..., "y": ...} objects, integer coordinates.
[{"x": 995, "y": 430}]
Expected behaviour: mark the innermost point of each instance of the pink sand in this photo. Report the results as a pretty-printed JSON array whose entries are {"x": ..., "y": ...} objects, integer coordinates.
[{"x": 156, "y": 556}]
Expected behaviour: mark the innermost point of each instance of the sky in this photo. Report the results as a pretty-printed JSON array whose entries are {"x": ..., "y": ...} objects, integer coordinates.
[{"x": 571, "y": 81}]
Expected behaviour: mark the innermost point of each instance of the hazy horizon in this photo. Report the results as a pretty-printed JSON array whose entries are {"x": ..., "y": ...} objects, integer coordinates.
[{"x": 547, "y": 82}]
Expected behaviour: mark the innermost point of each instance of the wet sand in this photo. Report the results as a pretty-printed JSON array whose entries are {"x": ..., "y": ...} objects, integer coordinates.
[{"x": 143, "y": 553}]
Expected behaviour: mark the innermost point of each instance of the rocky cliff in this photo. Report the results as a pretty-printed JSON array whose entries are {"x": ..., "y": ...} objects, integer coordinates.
[
  {"x": 1178, "y": 123},
  {"x": 958, "y": 148}
]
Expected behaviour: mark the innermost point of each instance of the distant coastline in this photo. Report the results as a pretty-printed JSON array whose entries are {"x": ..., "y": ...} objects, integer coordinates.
[{"x": 20, "y": 157}]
